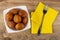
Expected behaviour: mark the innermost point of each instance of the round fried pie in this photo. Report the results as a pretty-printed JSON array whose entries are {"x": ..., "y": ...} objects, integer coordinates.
[
  {"x": 9, "y": 16},
  {"x": 11, "y": 24},
  {"x": 14, "y": 11},
  {"x": 17, "y": 18},
  {"x": 25, "y": 20},
  {"x": 19, "y": 26},
  {"x": 22, "y": 13}
]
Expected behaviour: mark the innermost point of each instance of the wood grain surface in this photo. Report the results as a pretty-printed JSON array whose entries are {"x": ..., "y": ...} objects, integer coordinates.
[{"x": 26, "y": 35}]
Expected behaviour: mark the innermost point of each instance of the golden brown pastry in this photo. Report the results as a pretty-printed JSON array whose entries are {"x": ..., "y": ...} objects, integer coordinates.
[
  {"x": 14, "y": 11},
  {"x": 9, "y": 16},
  {"x": 19, "y": 26},
  {"x": 17, "y": 18},
  {"x": 25, "y": 20},
  {"x": 11, "y": 24},
  {"x": 22, "y": 13}
]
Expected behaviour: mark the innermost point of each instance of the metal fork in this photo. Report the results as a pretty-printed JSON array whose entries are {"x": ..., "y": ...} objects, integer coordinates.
[{"x": 44, "y": 12}]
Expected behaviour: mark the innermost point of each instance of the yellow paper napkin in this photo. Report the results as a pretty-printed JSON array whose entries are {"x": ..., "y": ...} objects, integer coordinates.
[
  {"x": 48, "y": 21},
  {"x": 37, "y": 18}
]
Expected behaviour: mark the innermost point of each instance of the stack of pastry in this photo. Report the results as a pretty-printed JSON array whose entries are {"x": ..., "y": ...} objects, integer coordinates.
[{"x": 17, "y": 19}]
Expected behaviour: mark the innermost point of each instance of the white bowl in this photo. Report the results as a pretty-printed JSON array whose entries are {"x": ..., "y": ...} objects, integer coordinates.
[{"x": 11, "y": 30}]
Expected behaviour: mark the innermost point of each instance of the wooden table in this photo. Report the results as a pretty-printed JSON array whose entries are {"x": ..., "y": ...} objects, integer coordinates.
[{"x": 26, "y": 35}]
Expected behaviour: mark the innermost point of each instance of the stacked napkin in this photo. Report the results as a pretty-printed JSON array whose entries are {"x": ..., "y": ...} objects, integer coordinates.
[{"x": 36, "y": 18}]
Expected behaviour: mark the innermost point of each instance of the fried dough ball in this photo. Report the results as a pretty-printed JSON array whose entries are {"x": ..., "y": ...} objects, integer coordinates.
[
  {"x": 11, "y": 24},
  {"x": 17, "y": 18},
  {"x": 22, "y": 13},
  {"x": 9, "y": 16},
  {"x": 14, "y": 11},
  {"x": 19, "y": 26},
  {"x": 25, "y": 20}
]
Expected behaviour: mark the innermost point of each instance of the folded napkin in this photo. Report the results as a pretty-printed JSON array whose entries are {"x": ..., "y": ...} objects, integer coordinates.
[
  {"x": 36, "y": 18},
  {"x": 48, "y": 21}
]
